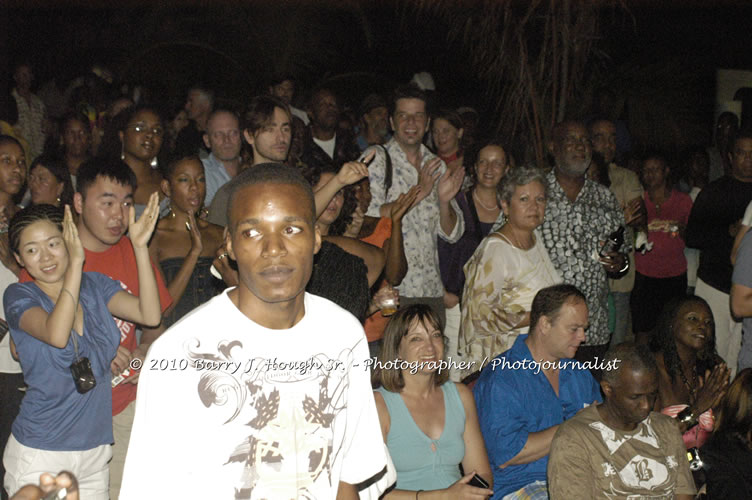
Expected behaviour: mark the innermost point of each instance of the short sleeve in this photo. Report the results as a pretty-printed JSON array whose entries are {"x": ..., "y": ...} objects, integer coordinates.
[
  {"x": 501, "y": 420},
  {"x": 743, "y": 267},
  {"x": 747, "y": 219},
  {"x": 685, "y": 484},
  {"x": 17, "y": 299},
  {"x": 569, "y": 472},
  {"x": 104, "y": 286},
  {"x": 364, "y": 450}
]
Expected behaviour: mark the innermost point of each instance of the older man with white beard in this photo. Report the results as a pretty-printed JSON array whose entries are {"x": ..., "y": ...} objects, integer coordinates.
[{"x": 580, "y": 215}]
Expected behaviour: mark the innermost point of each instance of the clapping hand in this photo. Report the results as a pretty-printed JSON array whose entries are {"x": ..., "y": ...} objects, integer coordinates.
[
  {"x": 403, "y": 204},
  {"x": 712, "y": 388},
  {"x": 70, "y": 237},
  {"x": 428, "y": 174},
  {"x": 141, "y": 230},
  {"x": 450, "y": 184}
]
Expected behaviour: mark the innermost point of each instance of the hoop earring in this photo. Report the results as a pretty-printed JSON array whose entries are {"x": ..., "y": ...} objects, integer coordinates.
[{"x": 169, "y": 207}]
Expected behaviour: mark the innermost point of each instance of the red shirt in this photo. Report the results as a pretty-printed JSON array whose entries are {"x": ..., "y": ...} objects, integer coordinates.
[
  {"x": 119, "y": 263},
  {"x": 666, "y": 259}
]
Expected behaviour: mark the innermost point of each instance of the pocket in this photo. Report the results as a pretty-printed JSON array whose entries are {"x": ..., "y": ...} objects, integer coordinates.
[{"x": 18, "y": 461}]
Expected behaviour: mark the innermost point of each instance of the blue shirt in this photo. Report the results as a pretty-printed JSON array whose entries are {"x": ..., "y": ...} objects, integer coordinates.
[
  {"x": 513, "y": 402},
  {"x": 53, "y": 415},
  {"x": 216, "y": 177}
]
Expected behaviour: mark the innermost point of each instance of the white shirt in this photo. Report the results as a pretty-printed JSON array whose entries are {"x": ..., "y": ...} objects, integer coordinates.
[{"x": 251, "y": 424}]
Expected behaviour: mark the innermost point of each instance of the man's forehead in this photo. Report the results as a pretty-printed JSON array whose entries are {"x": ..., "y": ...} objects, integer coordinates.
[
  {"x": 105, "y": 185},
  {"x": 290, "y": 198},
  {"x": 223, "y": 120},
  {"x": 603, "y": 127},
  {"x": 409, "y": 102}
]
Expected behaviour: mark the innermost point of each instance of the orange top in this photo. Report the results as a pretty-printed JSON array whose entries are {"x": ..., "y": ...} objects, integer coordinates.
[{"x": 376, "y": 322}]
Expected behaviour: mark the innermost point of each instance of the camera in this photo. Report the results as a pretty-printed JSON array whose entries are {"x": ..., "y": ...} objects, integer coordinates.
[
  {"x": 83, "y": 377},
  {"x": 695, "y": 462}
]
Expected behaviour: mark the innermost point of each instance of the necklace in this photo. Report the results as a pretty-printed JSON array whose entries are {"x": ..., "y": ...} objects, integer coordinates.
[
  {"x": 492, "y": 209},
  {"x": 690, "y": 387}
]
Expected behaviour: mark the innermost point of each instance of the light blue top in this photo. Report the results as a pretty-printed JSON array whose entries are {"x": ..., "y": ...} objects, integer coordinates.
[
  {"x": 216, "y": 177},
  {"x": 53, "y": 415},
  {"x": 423, "y": 463}
]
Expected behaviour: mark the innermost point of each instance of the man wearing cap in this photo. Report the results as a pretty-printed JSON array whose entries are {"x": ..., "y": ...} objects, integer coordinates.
[{"x": 373, "y": 125}]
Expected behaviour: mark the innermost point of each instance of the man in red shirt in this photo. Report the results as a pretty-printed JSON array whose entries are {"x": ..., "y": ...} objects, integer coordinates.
[{"x": 102, "y": 201}]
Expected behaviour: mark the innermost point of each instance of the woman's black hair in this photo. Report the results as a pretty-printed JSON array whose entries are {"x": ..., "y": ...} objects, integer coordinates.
[
  {"x": 28, "y": 216},
  {"x": 663, "y": 339},
  {"x": 57, "y": 168}
]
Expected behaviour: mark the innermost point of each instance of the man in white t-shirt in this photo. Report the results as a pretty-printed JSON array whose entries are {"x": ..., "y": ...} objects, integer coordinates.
[{"x": 262, "y": 392}]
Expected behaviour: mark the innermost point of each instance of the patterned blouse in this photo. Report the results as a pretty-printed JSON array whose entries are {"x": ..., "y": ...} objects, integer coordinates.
[
  {"x": 573, "y": 233},
  {"x": 420, "y": 226}
]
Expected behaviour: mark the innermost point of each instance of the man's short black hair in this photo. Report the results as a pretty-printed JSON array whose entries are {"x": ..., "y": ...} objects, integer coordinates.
[
  {"x": 407, "y": 92},
  {"x": 271, "y": 173},
  {"x": 279, "y": 78},
  {"x": 628, "y": 355},
  {"x": 549, "y": 301},
  {"x": 745, "y": 133},
  {"x": 113, "y": 169}
]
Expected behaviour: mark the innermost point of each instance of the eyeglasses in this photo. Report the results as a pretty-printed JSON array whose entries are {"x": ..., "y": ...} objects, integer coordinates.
[{"x": 142, "y": 127}]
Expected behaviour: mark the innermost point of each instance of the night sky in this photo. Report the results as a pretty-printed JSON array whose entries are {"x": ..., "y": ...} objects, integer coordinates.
[{"x": 354, "y": 46}]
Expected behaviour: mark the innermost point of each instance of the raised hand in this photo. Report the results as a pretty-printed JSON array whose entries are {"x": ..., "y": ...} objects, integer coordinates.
[
  {"x": 428, "y": 174},
  {"x": 353, "y": 228},
  {"x": 403, "y": 203},
  {"x": 712, "y": 388},
  {"x": 70, "y": 237},
  {"x": 140, "y": 230},
  {"x": 353, "y": 171},
  {"x": 192, "y": 226},
  {"x": 450, "y": 184}
]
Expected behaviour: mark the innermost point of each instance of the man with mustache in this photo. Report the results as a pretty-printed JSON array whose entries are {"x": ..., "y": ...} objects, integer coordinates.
[
  {"x": 621, "y": 448},
  {"x": 580, "y": 216},
  {"x": 324, "y": 142}
]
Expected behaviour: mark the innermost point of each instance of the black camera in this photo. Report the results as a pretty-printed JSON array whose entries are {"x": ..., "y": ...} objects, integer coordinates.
[{"x": 82, "y": 375}]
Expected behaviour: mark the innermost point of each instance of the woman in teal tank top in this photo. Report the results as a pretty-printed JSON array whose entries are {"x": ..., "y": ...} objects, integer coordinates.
[{"x": 429, "y": 423}]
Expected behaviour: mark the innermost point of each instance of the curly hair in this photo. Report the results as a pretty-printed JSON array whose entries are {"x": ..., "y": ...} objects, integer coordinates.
[
  {"x": 663, "y": 339},
  {"x": 313, "y": 175}
]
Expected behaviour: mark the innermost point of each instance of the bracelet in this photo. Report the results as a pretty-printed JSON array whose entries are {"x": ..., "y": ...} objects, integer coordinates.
[
  {"x": 417, "y": 493},
  {"x": 687, "y": 416},
  {"x": 626, "y": 264},
  {"x": 75, "y": 302}
]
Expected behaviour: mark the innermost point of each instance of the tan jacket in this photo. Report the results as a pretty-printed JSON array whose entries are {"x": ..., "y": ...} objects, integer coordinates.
[{"x": 626, "y": 187}]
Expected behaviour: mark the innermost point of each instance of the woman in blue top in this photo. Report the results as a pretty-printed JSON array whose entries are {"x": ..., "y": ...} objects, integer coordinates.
[
  {"x": 65, "y": 338},
  {"x": 429, "y": 424}
]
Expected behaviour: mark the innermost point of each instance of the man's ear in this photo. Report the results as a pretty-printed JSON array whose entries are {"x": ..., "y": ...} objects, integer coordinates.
[
  {"x": 607, "y": 389},
  {"x": 205, "y": 137},
  {"x": 317, "y": 240},
  {"x": 78, "y": 203},
  {"x": 391, "y": 124},
  {"x": 460, "y": 132},
  {"x": 248, "y": 136},
  {"x": 228, "y": 244}
]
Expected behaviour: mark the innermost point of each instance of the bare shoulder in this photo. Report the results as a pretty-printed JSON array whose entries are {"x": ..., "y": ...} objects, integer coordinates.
[
  {"x": 383, "y": 412},
  {"x": 466, "y": 395}
]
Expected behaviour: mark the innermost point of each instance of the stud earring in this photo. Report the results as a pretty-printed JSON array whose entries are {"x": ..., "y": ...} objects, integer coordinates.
[
  {"x": 154, "y": 162},
  {"x": 122, "y": 151}
]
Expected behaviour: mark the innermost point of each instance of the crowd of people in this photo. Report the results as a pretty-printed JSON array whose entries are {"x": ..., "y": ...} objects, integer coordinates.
[{"x": 227, "y": 302}]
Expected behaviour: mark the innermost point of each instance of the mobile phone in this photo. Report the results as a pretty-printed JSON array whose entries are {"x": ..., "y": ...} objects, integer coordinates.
[
  {"x": 478, "y": 482},
  {"x": 57, "y": 494}
]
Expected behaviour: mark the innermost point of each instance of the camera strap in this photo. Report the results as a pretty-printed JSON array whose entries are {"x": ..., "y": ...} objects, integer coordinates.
[{"x": 75, "y": 342}]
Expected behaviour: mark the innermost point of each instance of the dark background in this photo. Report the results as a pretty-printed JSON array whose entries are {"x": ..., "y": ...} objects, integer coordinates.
[{"x": 660, "y": 59}]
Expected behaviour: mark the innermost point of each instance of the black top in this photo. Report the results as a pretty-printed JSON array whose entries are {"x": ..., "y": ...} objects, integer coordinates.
[
  {"x": 719, "y": 205},
  {"x": 342, "y": 278},
  {"x": 728, "y": 467}
]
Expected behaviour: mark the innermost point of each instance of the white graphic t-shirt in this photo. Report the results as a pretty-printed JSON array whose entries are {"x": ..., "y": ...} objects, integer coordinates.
[
  {"x": 228, "y": 409},
  {"x": 591, "y": 460}
]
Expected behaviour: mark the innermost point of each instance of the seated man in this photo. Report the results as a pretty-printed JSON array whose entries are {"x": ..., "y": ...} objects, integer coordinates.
[
  {"x": 526, "y": 392},
  {"x": 620, "y": 449},
  {"x": 272, "y": 401}
]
